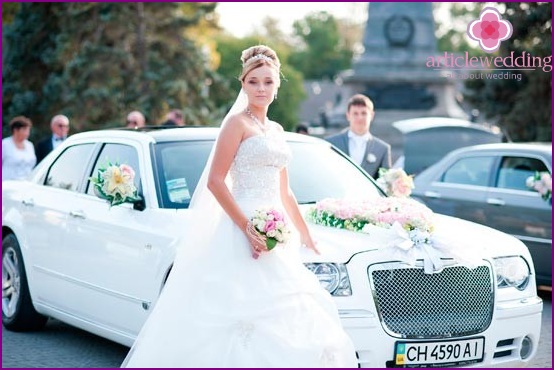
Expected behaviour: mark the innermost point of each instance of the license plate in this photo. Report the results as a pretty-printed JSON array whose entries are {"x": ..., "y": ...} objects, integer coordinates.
[{"x": 439, "y": 354}]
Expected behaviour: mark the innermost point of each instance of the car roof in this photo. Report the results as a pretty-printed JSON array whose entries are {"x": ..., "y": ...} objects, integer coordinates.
[
  {"x": 425, "y": 123},
  {"x": 512, "y": 147},
  {"x": 159, "y": 134}
]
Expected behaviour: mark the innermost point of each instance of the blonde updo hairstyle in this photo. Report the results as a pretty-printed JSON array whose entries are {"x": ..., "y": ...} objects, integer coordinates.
[{"x": 258, "y": 56}]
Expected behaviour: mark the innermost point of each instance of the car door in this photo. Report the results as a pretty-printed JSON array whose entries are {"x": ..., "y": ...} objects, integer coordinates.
[
  {"x": 117, "y": 256},
  {"x": 517, "y": 210},
  {"x": 460, "y": 188},
  {"x": 45, "y": 212}
]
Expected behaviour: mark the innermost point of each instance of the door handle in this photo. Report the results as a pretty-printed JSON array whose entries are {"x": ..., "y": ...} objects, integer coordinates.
[
  {"x": 78, "y": 214},
  {"x": 432, "y": 194},
  {"x": 28, "y": 202},
  {"x": 496, "y": 201}
]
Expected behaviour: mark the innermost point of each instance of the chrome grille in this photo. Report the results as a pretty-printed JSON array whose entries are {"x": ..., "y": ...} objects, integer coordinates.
[{"x": 411, "y": 304}]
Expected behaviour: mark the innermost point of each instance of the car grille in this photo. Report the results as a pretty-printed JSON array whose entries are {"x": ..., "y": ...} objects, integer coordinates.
[{"x": 411, "y": 304}]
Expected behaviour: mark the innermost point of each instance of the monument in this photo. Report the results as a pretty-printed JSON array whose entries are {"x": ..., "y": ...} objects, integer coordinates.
[{"x": 392, "y": 71}]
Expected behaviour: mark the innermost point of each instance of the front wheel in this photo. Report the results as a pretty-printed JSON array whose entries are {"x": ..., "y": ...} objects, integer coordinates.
[{"x": 18, "y": 313}]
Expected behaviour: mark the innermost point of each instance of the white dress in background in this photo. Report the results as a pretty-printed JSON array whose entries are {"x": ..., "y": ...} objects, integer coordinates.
[
  {"x": 17, "y": 163},
  {"x": 229, "y": 310}
]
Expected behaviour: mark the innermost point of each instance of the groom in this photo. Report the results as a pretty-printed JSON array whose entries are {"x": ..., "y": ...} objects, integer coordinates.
[{"x": 356, "y": 141}]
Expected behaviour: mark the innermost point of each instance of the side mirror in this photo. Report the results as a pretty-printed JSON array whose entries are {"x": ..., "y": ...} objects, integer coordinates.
[{"x": 139, "y": 205}]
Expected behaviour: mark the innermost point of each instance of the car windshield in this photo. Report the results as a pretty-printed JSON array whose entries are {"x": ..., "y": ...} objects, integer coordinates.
[{"x": 316, "y": 172}]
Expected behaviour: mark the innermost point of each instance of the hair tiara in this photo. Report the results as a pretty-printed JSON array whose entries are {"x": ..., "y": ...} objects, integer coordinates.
[{"x": 259, "y": 56}]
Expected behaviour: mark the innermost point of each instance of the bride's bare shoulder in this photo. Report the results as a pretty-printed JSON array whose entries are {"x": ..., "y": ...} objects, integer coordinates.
[{"x": 277, "y": 125}]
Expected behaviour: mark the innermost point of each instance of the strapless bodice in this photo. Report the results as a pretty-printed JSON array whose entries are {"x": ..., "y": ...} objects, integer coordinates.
[{"x": 255, "y": 170}]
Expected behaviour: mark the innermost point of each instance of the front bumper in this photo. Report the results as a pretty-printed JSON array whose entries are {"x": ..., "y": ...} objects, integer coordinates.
[{"x": 512, "y": 322}]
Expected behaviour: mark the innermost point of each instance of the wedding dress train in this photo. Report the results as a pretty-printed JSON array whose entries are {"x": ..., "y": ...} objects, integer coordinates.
[{"x": 229, "y": 310}]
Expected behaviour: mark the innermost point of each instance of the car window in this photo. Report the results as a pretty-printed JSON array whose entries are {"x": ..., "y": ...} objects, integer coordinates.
[
  {"x": 514, "y": 171},
  {"x": 67, "y": 171},
  {"x": 179, "y": 166},
  {"x": 116, "y": 154},
  {"x": 316, "y": 172},
  {"x": 469, "y": 171}
]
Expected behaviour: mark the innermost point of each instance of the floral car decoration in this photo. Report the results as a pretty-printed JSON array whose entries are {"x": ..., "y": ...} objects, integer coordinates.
[
  {"x": 115, "y": 183},
  {"x": 541, "y": 182},
  {"x": 395, "y": 182},
  {"x": 402, "y": 223}
]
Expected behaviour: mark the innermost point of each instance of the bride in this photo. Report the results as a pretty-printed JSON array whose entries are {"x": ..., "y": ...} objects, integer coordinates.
[{"x": 229, "y": 301}]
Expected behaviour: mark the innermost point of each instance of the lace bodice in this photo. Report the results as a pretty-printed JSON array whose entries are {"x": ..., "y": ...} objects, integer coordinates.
[{"x": 255, "y": 169}]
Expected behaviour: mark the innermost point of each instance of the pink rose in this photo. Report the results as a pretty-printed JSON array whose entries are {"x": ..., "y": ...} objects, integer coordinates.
[
  {"x": 270, "y": 226},
  {"x": 127, "y": 171}
]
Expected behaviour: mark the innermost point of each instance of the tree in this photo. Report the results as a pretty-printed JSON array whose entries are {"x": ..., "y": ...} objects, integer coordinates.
[
  {"x": 323, "y": 53},
  {"x": 97, "y": 61},
  {"x": 522, "y": 106}
]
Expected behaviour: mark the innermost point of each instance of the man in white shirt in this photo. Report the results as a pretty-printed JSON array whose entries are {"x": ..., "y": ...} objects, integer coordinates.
[
  {"x": 368, "y": 151},
  {"x": 59, "y": 125}
]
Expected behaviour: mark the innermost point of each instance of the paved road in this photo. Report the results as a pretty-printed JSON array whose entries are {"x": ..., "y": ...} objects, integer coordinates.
[{"x": 62, "y": 346}]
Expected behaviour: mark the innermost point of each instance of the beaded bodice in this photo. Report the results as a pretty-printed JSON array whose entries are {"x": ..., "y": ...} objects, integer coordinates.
[{"x": 255, "y": 169}]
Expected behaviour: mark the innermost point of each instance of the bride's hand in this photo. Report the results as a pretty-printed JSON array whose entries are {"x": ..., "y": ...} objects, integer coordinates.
[
  {"x": 255, "y": 240},
  {"x": 309, "y": 243}
]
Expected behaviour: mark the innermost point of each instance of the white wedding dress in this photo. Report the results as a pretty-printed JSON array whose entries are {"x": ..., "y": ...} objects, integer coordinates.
[{"x": 227, "y": 309}]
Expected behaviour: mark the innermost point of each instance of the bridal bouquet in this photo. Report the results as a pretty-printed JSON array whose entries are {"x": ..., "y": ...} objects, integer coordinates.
[
  {"x": 395, "y": 182},
  {"x": 409, "y": 215},
  {"x": 541, "y": 182},
  {"x": 271, "y": 224},
  {"x": 115, "y": 183}
]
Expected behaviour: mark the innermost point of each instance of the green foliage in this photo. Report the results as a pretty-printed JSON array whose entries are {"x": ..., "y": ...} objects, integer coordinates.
[
  {"x": 95, "y": 62},
  {"x": 324, "y": 52},
  {"x": 523, "y": 108}
]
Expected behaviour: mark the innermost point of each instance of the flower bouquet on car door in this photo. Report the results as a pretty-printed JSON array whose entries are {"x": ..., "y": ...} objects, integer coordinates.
[{"x": 115, "y": 183}]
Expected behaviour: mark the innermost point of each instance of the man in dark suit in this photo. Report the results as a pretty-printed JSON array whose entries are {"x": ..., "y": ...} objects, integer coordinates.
[
  {"x": 368, "y": 151},
  {"x": 59, "y": 125},
  {"x": 174, "y": 118}
]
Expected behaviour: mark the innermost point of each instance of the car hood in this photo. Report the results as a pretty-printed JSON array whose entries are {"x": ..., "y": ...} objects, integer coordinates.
[{"x": 465, "y": 237}]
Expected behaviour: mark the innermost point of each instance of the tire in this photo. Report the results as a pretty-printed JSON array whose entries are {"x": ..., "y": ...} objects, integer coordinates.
[{"x": 18, "y": 313}]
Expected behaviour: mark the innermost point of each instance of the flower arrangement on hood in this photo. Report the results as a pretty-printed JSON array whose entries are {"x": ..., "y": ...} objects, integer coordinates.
[
  {"x": 395, "y": 182},
  {"x": 115, "y": 183},
  {"x": 541, "y": 182},
  {"x": 355, "y": 215}
]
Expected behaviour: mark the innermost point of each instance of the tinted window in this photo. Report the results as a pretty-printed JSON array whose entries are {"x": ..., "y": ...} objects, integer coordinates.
[
  {"x": 117, "y": 154},
  {"x": 316, "y": 172},
  {"x": 514, "y": 171},
  {"x": 180, "y": 165},
  {"x": 67, "y": 172},
  {"x": 469, "y": 171}
]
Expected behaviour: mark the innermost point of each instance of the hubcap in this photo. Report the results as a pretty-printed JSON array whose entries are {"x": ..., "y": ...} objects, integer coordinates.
[{"x": 11, "y": 282}]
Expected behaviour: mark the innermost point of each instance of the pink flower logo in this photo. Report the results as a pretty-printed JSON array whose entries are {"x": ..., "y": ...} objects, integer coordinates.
[{"x": 490, "y": 30}]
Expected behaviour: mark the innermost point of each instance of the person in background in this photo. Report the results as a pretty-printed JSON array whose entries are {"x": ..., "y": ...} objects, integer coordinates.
[
  {"x": 302, "y": 129},
  {"x": 59, "y": 125},
  {"x": 135, "y": 120},
  {"x": 366, "y": 150},
  {"x": 18, "y": 153},
  {"x": 174, "y": 118}
]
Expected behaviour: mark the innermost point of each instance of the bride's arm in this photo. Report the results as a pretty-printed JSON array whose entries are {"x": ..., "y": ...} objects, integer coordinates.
[
  {"x": 227, "y": 145},
  {"x": 291, "y": 206}
]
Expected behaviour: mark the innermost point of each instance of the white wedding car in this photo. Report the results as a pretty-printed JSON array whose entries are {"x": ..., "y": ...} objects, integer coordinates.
[{"x": 66, "y": 254}]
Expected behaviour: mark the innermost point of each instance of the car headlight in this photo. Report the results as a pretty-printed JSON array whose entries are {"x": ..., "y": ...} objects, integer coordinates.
[
  {"x": 333, "y": 277},
  {"x": 512, "y": 272}
]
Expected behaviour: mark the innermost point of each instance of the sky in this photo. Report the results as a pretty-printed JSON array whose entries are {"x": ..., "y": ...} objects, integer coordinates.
[{"x": 241, "y": 19}]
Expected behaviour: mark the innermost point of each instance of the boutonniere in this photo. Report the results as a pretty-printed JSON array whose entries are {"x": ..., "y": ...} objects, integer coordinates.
[{"x": 371, "y": 158}]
